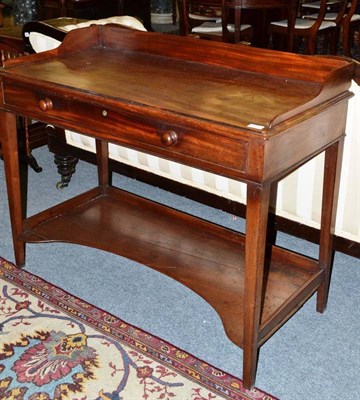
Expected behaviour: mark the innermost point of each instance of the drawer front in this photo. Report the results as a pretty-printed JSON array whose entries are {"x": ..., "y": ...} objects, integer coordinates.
[{"x": 196, "y": 147}]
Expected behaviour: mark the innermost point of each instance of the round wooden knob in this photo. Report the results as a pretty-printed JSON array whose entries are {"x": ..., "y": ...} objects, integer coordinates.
[
  {"x": 45, "y": 104},
  {"x": 169, "y": 138}
]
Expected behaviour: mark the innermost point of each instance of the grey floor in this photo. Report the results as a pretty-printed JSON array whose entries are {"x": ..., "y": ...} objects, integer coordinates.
[{"x": 313, "y": 356}]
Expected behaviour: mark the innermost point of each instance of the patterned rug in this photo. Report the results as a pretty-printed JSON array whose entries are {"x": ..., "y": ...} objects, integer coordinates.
[{"x": 56, "y": 346}]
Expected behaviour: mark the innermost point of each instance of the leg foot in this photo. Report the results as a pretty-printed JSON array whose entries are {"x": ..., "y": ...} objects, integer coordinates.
[{"x": 66, "y": 167}]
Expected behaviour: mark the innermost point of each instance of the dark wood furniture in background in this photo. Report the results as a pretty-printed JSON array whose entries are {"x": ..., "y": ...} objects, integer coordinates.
[
  {"x": 257, "y": 13},
  {"x": 221, "y": 125},
  {"x": 13, "y": 45},
  {"x": 31, "y": 136},
  {"x": 95, "y": 9},
  {"x": 205, "y": 19},
  {"x": 261, "y": 13},
  {"x": 310, "y": 27}
]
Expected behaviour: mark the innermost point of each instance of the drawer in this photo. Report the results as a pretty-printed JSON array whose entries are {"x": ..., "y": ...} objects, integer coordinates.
[{"x": 198, "y": 147}]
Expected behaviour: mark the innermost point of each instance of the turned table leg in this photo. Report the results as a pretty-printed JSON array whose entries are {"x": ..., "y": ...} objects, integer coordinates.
[
  {"x": 9, "y": 142},
  {"x": 257, "y": 209},
  {"x": 332, "y": 169},
  {"x": 66, "y": 165}
]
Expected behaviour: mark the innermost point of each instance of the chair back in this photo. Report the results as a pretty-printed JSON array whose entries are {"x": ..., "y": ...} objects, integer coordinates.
[
  {"x": 350, "y": 18},
  {"x": 195, "y": 12},
  {"x": 350, "y": 11},
  {"x": 339, "y": 8}
]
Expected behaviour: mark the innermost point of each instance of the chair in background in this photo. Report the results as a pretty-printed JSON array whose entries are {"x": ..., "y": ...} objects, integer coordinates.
[
  {"x": 206, "y": 19},
  {"x": 350, "y": 23},
  {"x": 346, "y": 25},
  {"x": 309, "y": 29},
  {"x": 194, "y": 13}
]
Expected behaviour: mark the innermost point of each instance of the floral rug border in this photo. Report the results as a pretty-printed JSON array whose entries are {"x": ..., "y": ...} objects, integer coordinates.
[{"x": 190, "y": 367}]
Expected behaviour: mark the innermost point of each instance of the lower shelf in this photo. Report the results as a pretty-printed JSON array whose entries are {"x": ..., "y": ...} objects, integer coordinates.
[{"x": 206, "y": 258}]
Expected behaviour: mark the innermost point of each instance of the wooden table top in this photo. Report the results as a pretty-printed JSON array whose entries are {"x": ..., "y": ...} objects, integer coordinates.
[
  {"x": 245, "y": 88},
  {"x": 242, "y": 112}
]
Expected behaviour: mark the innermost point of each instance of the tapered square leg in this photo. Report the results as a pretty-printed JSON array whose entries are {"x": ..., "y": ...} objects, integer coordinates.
[
  {"x": 332, "y": 170},
  {"x": 258, "y": 199},
  {"x": 9, "y": 142}
]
